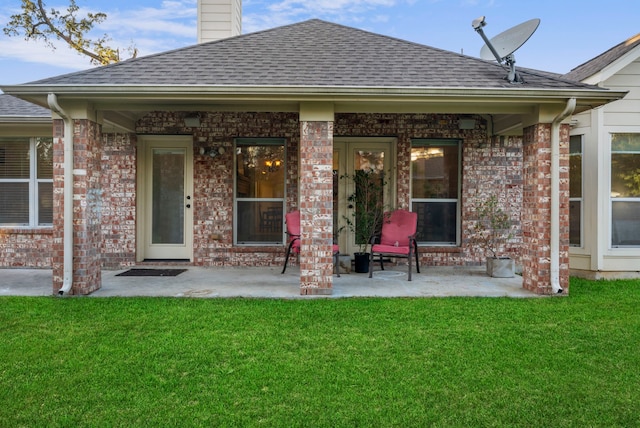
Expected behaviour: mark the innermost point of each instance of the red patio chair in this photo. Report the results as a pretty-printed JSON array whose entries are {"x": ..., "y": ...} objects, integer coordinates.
[
  {"x": 292, "y": 219},
  {"x": 397, "y": 239}
]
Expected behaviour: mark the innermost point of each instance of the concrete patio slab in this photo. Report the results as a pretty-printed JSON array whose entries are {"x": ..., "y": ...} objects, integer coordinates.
[{"x": 268, "y": 282}]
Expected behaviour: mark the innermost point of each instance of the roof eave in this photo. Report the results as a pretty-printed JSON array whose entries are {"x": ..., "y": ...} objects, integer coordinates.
[{"x": 203, "y": 93}]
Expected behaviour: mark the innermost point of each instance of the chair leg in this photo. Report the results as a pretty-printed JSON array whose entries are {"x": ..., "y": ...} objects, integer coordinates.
[
  {"x": 415, "y": 244},
  {"x": 409, "y": 259},
  {"x": 336, "y": 261},
  {"x": 286, "y": 258},
  {"x": 371, "y": 265}
]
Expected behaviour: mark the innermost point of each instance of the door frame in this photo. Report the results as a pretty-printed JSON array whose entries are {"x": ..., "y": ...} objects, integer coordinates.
[
  {"x": 345, "y": 146},
  {"x": 143, "y": 211}
]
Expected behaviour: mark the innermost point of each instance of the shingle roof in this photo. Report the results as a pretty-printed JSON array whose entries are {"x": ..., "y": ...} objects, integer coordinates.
[
  {"x": 600, "y": 62},
  {"x": 310, "y": 53},
  {"x": 15, "y": 107}
]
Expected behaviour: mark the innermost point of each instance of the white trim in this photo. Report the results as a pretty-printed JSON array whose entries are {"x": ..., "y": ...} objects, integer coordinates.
[{"x": 143, "y": 211}]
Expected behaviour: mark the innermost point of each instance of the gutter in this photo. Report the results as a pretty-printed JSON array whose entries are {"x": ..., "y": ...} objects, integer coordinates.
[
  {"x": 67, "y": 238},
  {"x": 555, "y": 195}
]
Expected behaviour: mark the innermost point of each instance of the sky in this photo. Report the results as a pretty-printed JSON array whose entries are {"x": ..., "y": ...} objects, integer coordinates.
[{"x": 571, "y": 32}]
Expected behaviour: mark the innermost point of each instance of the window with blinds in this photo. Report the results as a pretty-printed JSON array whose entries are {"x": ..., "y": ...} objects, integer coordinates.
[{"x": 26, "y": 181}]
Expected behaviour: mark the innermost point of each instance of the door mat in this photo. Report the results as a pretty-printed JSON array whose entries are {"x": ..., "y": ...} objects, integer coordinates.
[{"x": 151, "y": 272}]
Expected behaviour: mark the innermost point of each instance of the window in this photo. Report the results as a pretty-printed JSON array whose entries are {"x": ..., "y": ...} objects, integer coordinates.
[
  {"x": 575, "y": 191},
  {"x": 259, "y": 191},
  {"x": 625, "y": 190},
  {"x": 26, "y": 181},
  {"x": 435, "y": 190}
]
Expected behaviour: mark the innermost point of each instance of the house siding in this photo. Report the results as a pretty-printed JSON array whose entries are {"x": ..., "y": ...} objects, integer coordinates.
[{"x": 596, "y": 259}]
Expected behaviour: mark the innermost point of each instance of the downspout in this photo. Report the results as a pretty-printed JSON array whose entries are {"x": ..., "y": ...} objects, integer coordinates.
[
  {"x": 67, "y": 239},
  {"x": 555, "y": 195}
]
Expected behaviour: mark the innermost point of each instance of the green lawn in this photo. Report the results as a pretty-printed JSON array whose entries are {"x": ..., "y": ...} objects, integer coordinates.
[{"x": 544, "y": 362}]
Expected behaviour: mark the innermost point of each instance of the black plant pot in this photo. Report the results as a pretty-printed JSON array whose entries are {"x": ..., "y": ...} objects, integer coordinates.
[{"x": 361, "y": 262}]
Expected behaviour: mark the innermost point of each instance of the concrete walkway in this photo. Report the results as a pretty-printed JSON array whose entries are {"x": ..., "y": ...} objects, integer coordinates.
[{"x": 267, "y": 282}]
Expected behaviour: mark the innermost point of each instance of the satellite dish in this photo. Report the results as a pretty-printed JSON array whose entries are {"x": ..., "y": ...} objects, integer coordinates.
[{"x": 502, "y": 46}]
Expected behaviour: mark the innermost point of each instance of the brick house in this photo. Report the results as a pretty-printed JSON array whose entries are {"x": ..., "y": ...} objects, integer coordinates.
[{"x": 196, "y": 154}]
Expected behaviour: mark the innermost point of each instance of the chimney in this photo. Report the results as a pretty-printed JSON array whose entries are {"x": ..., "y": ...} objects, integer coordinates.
[{"x": 219, "y": 19}]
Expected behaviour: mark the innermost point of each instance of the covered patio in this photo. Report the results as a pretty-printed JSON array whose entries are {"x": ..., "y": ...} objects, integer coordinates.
[{"x": 268, "y": 282}]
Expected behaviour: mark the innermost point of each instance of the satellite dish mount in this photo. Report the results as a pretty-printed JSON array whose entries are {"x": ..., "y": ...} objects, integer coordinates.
[{"x": 502, "y": 46}]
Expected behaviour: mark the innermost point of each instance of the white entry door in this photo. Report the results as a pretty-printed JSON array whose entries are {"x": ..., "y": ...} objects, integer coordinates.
[
  {"x": 167, "y": 203},
  {"x": 349, "y": 157}
]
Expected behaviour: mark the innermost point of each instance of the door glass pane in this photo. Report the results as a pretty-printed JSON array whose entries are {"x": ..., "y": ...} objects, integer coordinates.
[
  {"x": 168, "y": 196},
  {"x": 369, "y": 193}
]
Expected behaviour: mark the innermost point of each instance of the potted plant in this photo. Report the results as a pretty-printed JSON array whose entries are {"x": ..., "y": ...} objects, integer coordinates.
[
  {"x": 490, "y": 232},
  {"x": 367, "y": 211}
]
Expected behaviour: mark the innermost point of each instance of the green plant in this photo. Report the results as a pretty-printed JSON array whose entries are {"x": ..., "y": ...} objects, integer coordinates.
[
  {"x": 367, "y": 205},
  {"x": 493, "y": 226}
]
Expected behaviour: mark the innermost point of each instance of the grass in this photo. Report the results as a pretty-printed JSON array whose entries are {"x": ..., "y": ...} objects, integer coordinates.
[{"x": 561, "y": 362}]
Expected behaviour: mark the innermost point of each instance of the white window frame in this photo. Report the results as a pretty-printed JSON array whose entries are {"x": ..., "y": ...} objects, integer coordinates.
[
  {"x": 581, "y": 198},
  {"x": 612, "y": 199},
  {"x": 33, "y": 182},
  {"x": 425, "y": 142},
  {"x": 236, "y": 199}
]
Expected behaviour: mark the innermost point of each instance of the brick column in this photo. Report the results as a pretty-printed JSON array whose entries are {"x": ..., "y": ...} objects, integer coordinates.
[
  {"x": 536, "y": 209},
  {"x": 316, "y": 207},
  {"x": 86, "y": 207}
]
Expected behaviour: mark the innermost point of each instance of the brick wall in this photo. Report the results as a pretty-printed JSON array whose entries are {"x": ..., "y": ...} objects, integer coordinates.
[
  {"x": 536, "y": 207},
  {"x": 493, "y": 166},
  {"x": 488, "y": 167},
  {"x": 87, "y": 207},
  {"x": 213, "y": 179},
  {"x": 118, "y": 183},
  {"x": 25, "y": 247}
]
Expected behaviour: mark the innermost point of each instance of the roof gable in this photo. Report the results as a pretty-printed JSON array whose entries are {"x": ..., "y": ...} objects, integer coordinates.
[
  {"x": 623, "y": 53},
  {"x": 312, "y": 53}
]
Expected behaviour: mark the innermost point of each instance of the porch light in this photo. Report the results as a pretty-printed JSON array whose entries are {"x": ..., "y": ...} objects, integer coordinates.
[
  {"x": 212, "y": 151},
  {"x": 272, "y": 165}
]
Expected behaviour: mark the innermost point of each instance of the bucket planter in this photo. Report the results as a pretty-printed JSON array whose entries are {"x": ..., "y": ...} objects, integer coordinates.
[
  {"x": 500, "y": 267},
  {"x": 344, "y": 263},
  {"x": 361, "y": 262},
  {"x": 491, "y": 232}
]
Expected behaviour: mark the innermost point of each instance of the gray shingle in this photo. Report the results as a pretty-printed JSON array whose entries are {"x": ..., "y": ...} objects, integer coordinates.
[
  {"x": 601, "y": 61},
  {"x": 15, "y": 107},
  {"x": 310, "y": 53}
]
